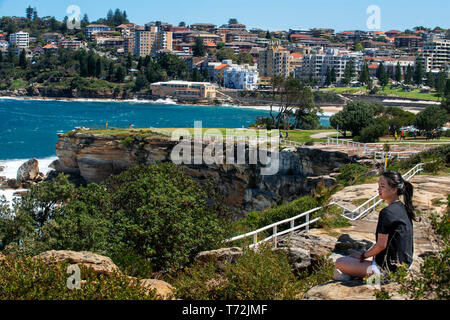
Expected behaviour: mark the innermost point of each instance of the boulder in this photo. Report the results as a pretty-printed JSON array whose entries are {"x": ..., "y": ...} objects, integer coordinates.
[
  {"x": 1, "y": 168},
  {"x": 28, "y": 171},
  {"x": 299, "y": 258},
  {"x": 351, "y": 290},
  {"x": 317, "y": 245},
  {"x": 221, "y": 256},
  {"x": 13, "y": 183},
  {"x": 163, "y": 289},
  {"x": 347, "y": 244},
  {"x": 100, "y": 264}
]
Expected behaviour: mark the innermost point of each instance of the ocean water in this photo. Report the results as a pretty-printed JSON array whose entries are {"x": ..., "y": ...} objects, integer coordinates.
[{"x": 28, "y": 128}]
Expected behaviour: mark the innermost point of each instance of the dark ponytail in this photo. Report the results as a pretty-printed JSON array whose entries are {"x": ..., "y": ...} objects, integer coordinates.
[{"x": 405, "y": 188}]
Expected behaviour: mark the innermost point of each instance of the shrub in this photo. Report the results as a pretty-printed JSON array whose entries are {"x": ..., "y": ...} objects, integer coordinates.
[
  {"x": 433, "y": 279},
  {"x": 148, "y": 213},
  {"x": 373, "y": 132},
  {"x": 32, "y": 279},
  {"x": 350, "y": 174},
  {"x": 260, "y": 275}
]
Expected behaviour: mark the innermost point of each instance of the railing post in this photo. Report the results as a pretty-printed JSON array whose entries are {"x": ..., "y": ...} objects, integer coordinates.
[
  {"x": 292, "y": 226},
  {"x": 307, "y": 221},
  {"x": 255, "y": 239},
  {"x": 275, "y": 236}
]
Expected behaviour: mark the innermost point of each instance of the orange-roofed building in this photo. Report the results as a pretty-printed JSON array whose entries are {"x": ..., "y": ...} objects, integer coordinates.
[{"x": 50, "y": 47}]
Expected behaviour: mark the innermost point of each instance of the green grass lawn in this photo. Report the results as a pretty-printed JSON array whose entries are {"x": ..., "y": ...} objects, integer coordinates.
[
  {"x": 16, "y": 84},
  {"x": 415, "y": 94}
]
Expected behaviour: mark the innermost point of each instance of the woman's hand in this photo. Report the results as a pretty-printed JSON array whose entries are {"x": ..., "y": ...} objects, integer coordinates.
[{"x": 355, "y": 255}]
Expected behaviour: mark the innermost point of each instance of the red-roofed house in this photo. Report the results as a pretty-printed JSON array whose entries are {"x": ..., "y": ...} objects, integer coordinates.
[{"x": 50, "y": 47}]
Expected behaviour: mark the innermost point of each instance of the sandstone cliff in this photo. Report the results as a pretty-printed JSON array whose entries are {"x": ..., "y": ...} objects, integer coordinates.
[{"x": 94, "y": 157}]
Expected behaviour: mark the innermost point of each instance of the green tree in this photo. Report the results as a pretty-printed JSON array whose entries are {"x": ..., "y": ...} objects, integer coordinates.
[
  {"x": 245, "y": 58},
  {"x": 85, "y": 21},
  {"x": 382, "y": 75},
  {"x": 398, "y": 73},
  {"x": 233, "y": 21},
  {"x": 195, "y": 75},
  {"x": 141, "y": 82},
  {"x": 98, "y": 67},
  {"x": 440, "y": 83},
  {"x": 349, "y": 71},
  {"x": 182, "y": 24},
  {"x": 355, "y": 116},
  {"x": 328, "y": 77},
  {"x": 359, "y": 47},
  {"x": 431, "y": 118},
  {"x": 22, "y": 59},
  {"x": 120, "y": 74},
  {"x": 111, "y": 72},
  {"x": 199, "y": 49},
  {"x": 430, "y": 80},
  {"x": 29, "y": 13},
  {"x": 409, "y": 75},
  {"x": 333, "y": 75},
  {"x": 418, "y": 73},
  {"x": 84, "y": 71},
  {"x": 365, "y": 75},
  {"x": 91, "y": 65}
]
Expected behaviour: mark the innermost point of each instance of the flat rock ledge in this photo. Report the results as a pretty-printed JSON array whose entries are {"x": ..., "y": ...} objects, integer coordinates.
[
  {"x": 102, "y": 265},
  {"x": 351, "y": 290}
]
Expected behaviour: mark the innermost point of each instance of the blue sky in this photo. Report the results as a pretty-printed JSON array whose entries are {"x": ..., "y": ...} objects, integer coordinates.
[{"x": 272, "y": 15}]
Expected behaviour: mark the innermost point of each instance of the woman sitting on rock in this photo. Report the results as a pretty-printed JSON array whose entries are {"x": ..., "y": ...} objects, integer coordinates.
[{"x": 394, "y": 234}]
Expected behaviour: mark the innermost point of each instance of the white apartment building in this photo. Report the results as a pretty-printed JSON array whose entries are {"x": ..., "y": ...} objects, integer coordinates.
[
  {"x": 20, "y": 39},
  {"x": 92, "y": 29},
  {"x": 316, "y": 65},
  {"x": 242, "y": 77},
  {"x": 435, "y": 55}
]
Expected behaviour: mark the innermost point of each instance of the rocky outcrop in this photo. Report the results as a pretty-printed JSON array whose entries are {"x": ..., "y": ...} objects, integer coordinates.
[
  {"x": 162, "y": 289},
  {"x": 220, "y": 256},
  {"x": 95, "y": 157},
  {"x": 347, "y": 244},
  {"x": 28, "y": 171},
  {"x": 351, "y": 290},
  {"x": 100, "y": 264}
]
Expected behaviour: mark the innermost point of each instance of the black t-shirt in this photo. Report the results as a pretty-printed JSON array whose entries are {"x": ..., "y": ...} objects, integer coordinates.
[{"x": 394, "y": 221}]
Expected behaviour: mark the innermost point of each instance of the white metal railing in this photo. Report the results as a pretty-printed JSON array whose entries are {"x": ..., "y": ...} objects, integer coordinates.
[
  {"x": 274, "y": 227},
  {"x": 370, "y": 205}
]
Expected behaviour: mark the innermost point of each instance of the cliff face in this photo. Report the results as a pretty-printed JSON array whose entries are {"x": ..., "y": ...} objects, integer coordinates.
[{"x": 95, "y": 157}]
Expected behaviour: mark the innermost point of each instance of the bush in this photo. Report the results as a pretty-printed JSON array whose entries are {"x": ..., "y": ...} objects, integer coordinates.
[
  {"x": 433, "y": 280},
  {"x": 32, "y": 279},
  {"x": 263, "y": 275},
  {"x": 351, "y": 174},
  {"x": 148, "y": 214},
  {"x": 260, "y": 275},
  {"x": 373, "y": 132}
]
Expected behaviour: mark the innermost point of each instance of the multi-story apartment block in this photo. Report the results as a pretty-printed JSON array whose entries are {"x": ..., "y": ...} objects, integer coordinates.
[
  {"x": 435, "y": 55},
  {"x": 92, "y": 29},
  {"x": 274, "y": 61},
  {"x": 128, "y": 44},
  {"x": 71, "y": 44},
  {"x": 20, "y": 39},
  {"x": 316, "y": 65},
  {"x": 151, "y": 41},
  {"x": 243, "y": 77},
  {"x": 408, "y": 41}
]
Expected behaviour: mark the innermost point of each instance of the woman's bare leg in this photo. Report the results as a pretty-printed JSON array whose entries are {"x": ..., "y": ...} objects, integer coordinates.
[{"x": 353, "y": 267}]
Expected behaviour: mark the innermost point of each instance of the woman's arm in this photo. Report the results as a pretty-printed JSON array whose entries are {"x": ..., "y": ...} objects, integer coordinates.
[{"x": 377, "y": 247}]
